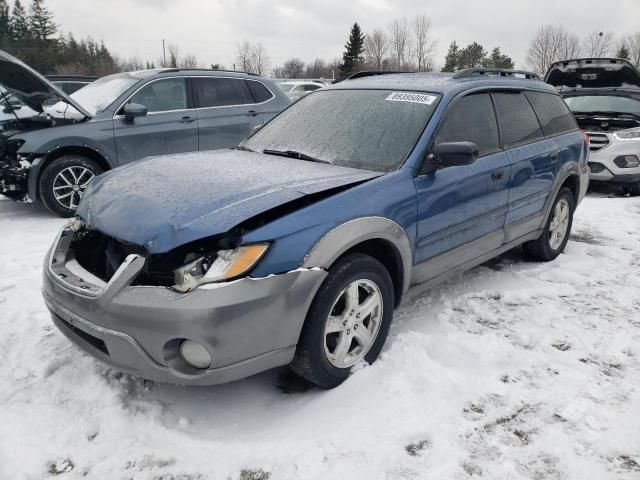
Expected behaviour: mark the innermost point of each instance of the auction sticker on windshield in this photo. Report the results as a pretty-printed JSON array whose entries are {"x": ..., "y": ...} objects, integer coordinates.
[{"x": 411, "y": 97}]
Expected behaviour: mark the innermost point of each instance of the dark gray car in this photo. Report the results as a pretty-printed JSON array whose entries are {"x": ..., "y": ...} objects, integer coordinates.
[{"x": 52, "y": 145}]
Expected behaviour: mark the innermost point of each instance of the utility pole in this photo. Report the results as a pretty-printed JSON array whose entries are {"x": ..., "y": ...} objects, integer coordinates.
[{"x": 164, "y": 55}]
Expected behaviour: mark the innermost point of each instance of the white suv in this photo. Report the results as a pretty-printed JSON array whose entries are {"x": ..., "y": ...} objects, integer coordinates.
[{"x": 604, "y": 96}]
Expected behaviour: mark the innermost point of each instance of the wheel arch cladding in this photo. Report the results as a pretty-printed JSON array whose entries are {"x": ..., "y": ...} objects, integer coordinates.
[
  {"x": 379, "y": 237},
  {"x": 572, "y": 182}
]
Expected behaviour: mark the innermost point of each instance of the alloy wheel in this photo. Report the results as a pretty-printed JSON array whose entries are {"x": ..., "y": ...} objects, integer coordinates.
[
  {"x": 353, "y": 323},
  {"x": 69, "y": 185},
  {"x": 559, "y": 224}
]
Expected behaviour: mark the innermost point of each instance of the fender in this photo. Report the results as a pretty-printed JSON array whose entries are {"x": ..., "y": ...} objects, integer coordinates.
[
  {"x": 568, "y": 169},
  {"x": 337, "y": 241}
]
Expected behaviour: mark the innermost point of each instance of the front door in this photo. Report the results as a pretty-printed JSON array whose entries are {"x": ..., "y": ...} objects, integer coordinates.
[
  {"x": 227, "y": 111},
  {"x": 170, "y": 125},
  {"x": 462, "y": 209}
]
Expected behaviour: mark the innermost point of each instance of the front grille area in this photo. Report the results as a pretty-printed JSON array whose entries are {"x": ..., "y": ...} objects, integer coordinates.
[
  {"x": 596, "y": 167},
  {"x": 95, "y": 342},
  {"x": 598, "y": 141}
]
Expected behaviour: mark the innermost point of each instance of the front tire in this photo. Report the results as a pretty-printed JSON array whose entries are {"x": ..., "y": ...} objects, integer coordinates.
[
  {"x": 348, "y": 321},
  {"x": 556, "y": 232},
  {"x": 64, "y": 181}
]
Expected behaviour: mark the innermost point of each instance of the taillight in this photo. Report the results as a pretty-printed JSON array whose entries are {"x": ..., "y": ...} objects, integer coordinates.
[{"x": 586, "y": 138}]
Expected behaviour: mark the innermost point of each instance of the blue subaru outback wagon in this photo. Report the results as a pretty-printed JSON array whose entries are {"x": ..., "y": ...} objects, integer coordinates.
[{"x": 295, "y": 247}]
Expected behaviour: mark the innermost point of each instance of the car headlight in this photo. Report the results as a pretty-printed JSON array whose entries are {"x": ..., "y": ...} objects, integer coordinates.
[
  {"x": 224, "y": 265},
  {"x": 628, "y": 135}
]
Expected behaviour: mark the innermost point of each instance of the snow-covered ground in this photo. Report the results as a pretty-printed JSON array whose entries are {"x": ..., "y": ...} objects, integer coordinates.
[{"x": 514, "y": 370}]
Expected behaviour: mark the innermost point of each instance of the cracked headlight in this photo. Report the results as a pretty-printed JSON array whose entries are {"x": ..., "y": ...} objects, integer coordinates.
[
  {"x": 627, "y": 135},
  {"x": 225, "y": 265}
]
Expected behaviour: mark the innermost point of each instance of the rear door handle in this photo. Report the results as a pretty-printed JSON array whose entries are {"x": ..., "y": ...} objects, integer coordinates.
[
  {"x": 252, "y": 113},
  {"x": 497, "y": 175},
  {"x": 553, "y": 156},
  {"x": 187, "y": 119}
]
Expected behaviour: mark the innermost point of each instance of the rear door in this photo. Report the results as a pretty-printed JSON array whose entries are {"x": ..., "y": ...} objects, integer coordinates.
[
  {"x": 169, "y": 127},
  {"x": 227, "y": 111},
  {"x": 533, "y": 161},
  {"x": 463, "y": 205}
]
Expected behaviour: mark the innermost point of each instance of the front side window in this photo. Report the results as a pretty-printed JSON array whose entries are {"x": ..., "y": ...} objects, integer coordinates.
[
  {"x": 162, "y": 95},
  {"x": 555, "y": 118},
  {"x": 518, "y": 121},
  {"x": 471, "y": 119},
  {"x": 366, "y": 129},
  {"x": 220, "y": 92}
]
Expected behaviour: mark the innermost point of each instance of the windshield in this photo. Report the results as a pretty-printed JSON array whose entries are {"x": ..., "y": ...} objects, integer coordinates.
[
  {"x": 366, "y": 129},
  {"x": 97, "y": 96},
  {"x": 603, "y": 103}
]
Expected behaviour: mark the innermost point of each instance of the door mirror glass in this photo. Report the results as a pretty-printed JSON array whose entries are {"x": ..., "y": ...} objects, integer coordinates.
[{"x": 133, "y": 110}]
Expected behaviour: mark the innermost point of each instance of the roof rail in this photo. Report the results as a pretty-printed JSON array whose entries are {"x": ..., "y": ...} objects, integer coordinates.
[
  {"x": 373, "y": 73},
  {"x": 496, "y": 72},
  {"x": 173, "y": 70}
]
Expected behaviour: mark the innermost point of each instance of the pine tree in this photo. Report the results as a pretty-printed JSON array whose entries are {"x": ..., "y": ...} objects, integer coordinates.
[
  {"x": 19, "y": 23},
  {"x": 41, "y": 20},
  {"x": 498, "y": 60},
  {"x": 451, "y": 60},
  {"x": 623, "y": 52},
  {"x": 472, "y": 56},
  {"x": 352, "y": 57},
  {"x": 5, "y": 22}
]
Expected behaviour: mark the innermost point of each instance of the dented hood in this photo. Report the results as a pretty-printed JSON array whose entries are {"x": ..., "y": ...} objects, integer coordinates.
[
  {"x": 593, "y": 73},
  {"x": 164, "y": 202}
]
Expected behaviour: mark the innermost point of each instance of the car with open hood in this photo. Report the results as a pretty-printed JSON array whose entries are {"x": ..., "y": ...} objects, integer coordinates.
[
  {"x": 604, "y": 96},
  {"x": 296, "y": 246},
  {"x": 52, "y": 144}
]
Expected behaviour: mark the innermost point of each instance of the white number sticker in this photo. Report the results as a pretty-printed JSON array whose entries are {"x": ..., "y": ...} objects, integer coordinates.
[{"x": 411, "y": 97}]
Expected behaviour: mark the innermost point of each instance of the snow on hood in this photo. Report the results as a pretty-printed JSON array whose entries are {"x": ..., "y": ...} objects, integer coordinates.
[
  {"x": 593, "y": 73},
  {"x": 164, "y": 202}
]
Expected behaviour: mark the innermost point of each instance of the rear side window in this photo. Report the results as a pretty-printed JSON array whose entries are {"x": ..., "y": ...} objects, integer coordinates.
[
  {"x": 471, "y": 119},
  {"x": 220, "y": 92},
  {"x": 554, "y": 115},
  {"x": 518, "y": 121},
  {"x": 259, "y": 91}
]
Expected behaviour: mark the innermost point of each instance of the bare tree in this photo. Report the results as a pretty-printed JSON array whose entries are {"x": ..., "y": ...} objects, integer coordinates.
[
  {"x": 244, "y": 55},
  {"x": 189, "y": 61},
  {"x": 252, "y": 58},
  {"x": 551, "y": 43},
  {"x": 317, "y": 69},
  {"x": 174, "y": 56},
  {"x": 424, "y": 45},
  {"x": 598, "y": 44},
  {"x": 376, "y": 46},
  {"x": 633, "y": 44},
  {"x": 400, "y": 43}
]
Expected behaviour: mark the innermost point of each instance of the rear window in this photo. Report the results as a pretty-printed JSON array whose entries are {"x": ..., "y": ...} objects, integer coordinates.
[
  {"x": 517, "y": 119},
  {"x": 603, "y": 103},
  {"x": 220, "y": 92},
  {"x": 552, "y": 112},
  {"x": 259, "y": 91},
  {"x": 471, "y": 119}
]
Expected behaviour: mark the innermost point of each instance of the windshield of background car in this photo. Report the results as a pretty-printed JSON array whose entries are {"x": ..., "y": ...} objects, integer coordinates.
[
  {"x": 366, "y": 129},
  {"x": 603, "y": 103},
  {"x": 98, "y": 95}
]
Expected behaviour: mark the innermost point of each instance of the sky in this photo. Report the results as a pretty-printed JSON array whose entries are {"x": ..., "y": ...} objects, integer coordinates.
[{"x": 212, "y": 29}]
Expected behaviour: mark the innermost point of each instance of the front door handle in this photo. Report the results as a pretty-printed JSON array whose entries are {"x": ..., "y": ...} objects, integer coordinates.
[
  {"x": 497, "y": 175},
  {"x": 187, "y": 119},
  {"x": 252, "y": 113},
  {"x": 553, "y": 156}
]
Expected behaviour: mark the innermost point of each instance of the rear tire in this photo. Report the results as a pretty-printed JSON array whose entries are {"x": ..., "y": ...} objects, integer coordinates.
[
  {"x": 556, "y": 232},
  {"x": 633, "y": 189},
  {"x": 348, "y": 321},
  {"x": 63, "y": 182}
]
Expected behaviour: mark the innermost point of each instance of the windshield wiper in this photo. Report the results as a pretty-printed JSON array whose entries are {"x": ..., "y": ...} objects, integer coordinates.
[
  {"x": 295, "y": 154},
  {"x": 244, "y": 149},
  {"x": 607, "y": 114}
]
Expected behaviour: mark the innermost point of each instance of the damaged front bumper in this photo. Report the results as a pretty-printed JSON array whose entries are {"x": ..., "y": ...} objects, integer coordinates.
[
  {"x": 14, "y": 176},
  {"x": 247, "y": 325}
]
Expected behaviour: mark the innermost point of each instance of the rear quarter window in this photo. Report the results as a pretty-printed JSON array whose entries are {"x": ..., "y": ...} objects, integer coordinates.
[
  {"x": 518, "y": 122},
  {"x": 554, "y": 115},
  {"x": 259, "y": 91}
]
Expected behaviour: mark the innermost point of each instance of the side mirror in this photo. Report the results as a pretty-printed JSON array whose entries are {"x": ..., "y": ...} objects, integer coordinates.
[
  {"x": 133, "y": 110},
  {"x": 451, "y": 154}
]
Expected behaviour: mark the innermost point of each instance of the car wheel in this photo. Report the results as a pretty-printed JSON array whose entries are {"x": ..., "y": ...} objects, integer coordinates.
[
  {"x": 633, "y": 189},
  {"x": 557, "y": 230},
  {"x": 347, "y": 323},
  {"x": 64, "y": 181}
]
